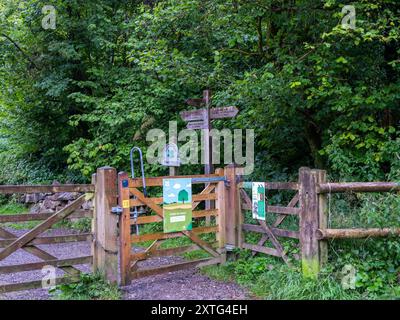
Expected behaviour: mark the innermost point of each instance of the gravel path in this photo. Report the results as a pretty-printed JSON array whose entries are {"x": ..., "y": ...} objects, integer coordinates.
[{"x": 187, "y": 284}]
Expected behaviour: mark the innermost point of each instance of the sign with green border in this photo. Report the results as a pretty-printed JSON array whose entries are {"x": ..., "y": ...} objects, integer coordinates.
[
  {"x": 177, "y": 204},
  {"x": 258, "y": 200}
]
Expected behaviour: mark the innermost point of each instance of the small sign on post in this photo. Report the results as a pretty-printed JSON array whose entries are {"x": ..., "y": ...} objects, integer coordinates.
[
  {"x": 171, "y": 156},
  {"x": 258, "y": 200}
]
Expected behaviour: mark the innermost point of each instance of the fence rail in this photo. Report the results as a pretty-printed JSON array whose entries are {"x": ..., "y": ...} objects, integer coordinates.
[
  {"x": 8, "y": 189},
  {"x": 28, "y": 242},
  {"x": 358, "y": 187}
]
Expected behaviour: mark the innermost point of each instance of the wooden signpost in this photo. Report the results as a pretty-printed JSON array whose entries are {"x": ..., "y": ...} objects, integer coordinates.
[{"x": 200, "y": 119}]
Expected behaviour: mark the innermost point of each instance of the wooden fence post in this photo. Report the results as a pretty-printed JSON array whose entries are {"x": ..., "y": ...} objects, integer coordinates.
[
  {"x": 220, "y": 205},
  {"x": 125, "y": 229},
  {"x": 233, "y": 232},
  {"x": 309, "y": 221},
  {"x": 322, "y": 217},
  {"x": 105, "y": 243}
]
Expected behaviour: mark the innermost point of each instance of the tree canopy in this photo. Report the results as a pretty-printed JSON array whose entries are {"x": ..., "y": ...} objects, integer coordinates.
[{"x": 81, "y": 95}]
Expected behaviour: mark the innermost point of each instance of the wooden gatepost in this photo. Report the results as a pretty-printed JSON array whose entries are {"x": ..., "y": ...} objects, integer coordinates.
[
  {"x": 312, "y": 218},
  {"x": 104, "y": 226}
]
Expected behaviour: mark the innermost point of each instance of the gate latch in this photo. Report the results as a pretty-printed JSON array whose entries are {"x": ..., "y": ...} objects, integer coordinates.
[{"x": 117, "y": 210}]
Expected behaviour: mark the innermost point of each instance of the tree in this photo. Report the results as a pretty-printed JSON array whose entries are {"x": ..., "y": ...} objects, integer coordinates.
[{"x": 183, "y": 196}]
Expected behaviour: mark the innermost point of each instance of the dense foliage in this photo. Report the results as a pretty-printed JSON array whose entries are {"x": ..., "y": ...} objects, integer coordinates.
[{"x": 316, "y": 94}]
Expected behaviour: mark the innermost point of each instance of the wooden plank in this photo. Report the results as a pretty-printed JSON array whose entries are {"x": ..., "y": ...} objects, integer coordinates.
[
  {"x": 161, "y": 235},
  {"x": 174, "y": 267},
  {"x": 283, "y": 210},
  {"x": 201, "y": 243},
  {"x": 29, "y": 236},
  {"x": 282, "y": 217},
  {"x": 22, "y": 217},
  {"x": 322, "y": 217},
  {"x": 275, "y": 242},
  {"x": 265, "y": 250},
  {"x": 124, "y": 230},
  {"x": 282, "y": 186},
  {"x": 37, "y": 252},
  {"x": 220, "y": 204},
  {"x": 5, "y": 288},
  {"x": 105, "y": 227},
  {"x": 196, "y": 125},
  {"x": 10, "y": 189},
  {"x": 232, "y": 203},
  {"x": 148, "y": 250},
  {"x": 198, "y": 102},
  {"x": 158, "y": 181},
  {"x": 192, "y": 115},
  {"x": 154, "y": 219},
  {"x": 39, "y": 265},
  {"x": 224, "y": 112},
  {"x": 51, "y": 240},
  {"x": 147, "y": 201},
  {"x": 277, "y": 232},
  {"x": 358, "y": 187},
  {"x": 278, "y": 222},
  {"x": 359, "y": 233},
  {"x": 196, "y": 198},
  {"x": 273, "y": 185},
  {"x": 309, "y": 223},
  {"x": 163, "y": 252},
  {"x": 207, "y": 190}
]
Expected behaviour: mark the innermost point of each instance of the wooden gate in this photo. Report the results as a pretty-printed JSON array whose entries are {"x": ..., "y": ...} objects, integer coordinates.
[
  {"x": 30, "y": 240},
  {"x": 131, "y": 196},
  {"x": 271, "y": 232}
]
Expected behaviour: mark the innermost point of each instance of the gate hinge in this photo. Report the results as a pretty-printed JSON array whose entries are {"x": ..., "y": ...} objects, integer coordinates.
[{"x": 117, "y": 210}]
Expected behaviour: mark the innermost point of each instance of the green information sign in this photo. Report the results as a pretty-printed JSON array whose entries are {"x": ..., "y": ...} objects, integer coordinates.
[
  {"x": 177, "y": 205},
  {"x": 258, "y": 200}
]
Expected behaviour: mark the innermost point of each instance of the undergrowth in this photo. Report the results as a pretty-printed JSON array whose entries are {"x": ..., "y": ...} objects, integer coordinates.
[
  {"x": 89, "y": 287},
  {"x": 357, "y": 269}
]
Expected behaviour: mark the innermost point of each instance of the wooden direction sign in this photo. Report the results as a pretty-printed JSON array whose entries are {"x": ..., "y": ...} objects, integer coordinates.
[
  {"x": 224, "y": 112},
  {"x": 194, "y": 125},
  {"x": 196, "y": 102},
  {"x": 192, "y": 115},
  {"x": 215, "y": 113}
]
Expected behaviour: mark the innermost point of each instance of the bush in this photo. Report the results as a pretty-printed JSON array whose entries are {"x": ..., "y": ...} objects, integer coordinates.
[{"x": 89, "y": 287}]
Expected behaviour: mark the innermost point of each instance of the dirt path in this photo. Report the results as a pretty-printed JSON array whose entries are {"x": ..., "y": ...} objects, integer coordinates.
[{"x": 179, "y": 285}]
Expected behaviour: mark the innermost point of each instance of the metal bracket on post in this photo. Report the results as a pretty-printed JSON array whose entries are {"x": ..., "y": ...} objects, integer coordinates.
[{"x": 116, "y": 210}]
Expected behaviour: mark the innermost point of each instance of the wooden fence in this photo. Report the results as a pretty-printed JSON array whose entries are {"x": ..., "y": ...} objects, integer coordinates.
[
  {"x": 112, "y": 240},
  {"x": 310, "y": 205},
  {"x": 29, "y": 241}
]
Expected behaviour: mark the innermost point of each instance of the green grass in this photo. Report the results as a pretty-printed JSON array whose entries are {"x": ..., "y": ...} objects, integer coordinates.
[
  {"x": 376, "y": 262},
  {"x": 89, "y": 287},
  {"x": 267, "y": 278}
]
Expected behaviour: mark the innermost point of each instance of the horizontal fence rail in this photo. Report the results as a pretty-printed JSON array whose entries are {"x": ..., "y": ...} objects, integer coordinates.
[
  {"x": 356, "y": 233},
  {"x": 358, "y": 187},
  {"x": 28, "y": 242},
  {"x": 10, "y": 189}
]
